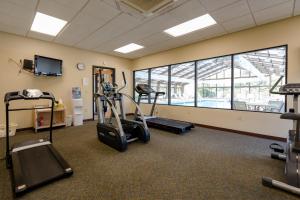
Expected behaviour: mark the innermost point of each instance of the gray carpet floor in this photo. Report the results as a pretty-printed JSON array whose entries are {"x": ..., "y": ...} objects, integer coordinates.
[{"x": 202, "y": 164}]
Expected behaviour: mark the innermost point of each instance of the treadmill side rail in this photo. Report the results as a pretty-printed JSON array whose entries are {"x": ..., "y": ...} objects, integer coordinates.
[
  {"x": 29, "y": 172},
  {"x": 30, "y": 146},
  {"x": 63, "y": 163}
]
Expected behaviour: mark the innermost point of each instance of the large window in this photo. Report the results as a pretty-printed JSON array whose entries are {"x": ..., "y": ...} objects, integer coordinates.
[
  {"x": 254, "y": 75},
  {"x": 183, "y": 84},
  {"x": 159, "y": 82},
  {"x": 239, "y": 81},
  {"x": 141, "y": 77},
  {"x": 214, "y": 82}
]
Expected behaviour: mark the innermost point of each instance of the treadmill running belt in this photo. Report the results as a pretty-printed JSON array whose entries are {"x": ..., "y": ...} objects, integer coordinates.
[
  {"x": 169, "y": 125},
  {"x": 38, "y": 164}
]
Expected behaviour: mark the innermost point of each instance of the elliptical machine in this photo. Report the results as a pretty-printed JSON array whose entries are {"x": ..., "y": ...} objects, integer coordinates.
[
  {"x": 125, "y": 131},
  {"x": 292, "y": 155}
]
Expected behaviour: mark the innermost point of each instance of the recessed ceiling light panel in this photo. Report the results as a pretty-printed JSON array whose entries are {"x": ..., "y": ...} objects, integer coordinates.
[
  {"x": 129, "y": 48},
  {"x": 191, "y": 25},
  {"x": 46, "y": 24}
]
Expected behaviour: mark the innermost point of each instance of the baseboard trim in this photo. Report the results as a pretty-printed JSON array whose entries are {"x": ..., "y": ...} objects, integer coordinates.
[
  {"x": 24, "y": 129},
  {"x": 87, "y": 120},
  {"x": 204, "y": 126},
  {"x": 242, "y": 132}
]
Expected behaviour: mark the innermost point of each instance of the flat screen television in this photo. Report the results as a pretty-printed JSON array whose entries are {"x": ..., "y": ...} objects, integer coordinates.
[{"x": 44, "y": 66}]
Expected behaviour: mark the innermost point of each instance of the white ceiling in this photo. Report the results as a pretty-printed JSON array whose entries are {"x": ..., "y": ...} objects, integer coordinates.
[{"x": 102, "y": 25}]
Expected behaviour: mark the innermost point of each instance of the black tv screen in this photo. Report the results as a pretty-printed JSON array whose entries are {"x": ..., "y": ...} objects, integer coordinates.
[{"x": 47, "y": 66}]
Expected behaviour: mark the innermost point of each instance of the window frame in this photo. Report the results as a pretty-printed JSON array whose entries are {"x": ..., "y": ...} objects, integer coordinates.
[
  {"x": 170, "y": 83},
  {"x": 232, "y": 79},
  {"x": 231, "y": 93}
]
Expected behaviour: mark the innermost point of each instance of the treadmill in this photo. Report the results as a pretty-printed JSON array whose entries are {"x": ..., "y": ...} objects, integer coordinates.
[
  {"x": 33, "y": 163},
  {"x": 171, "y": 125}
]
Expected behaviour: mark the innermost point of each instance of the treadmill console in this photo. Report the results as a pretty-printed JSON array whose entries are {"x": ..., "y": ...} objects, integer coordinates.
[
  {"x": 32, "y": 93},
  {"x": 28, "y": 94},
  {"x": 290, "y": 88},
  {"x": 144, "y": 89},
  {"x": 287, "y": 89}
]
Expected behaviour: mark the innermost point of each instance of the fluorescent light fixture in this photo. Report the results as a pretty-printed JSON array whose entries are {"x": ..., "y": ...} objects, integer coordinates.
[
  {"x": 46, "y": 24},
  {"x": 129, "y": 48},
  {"x": 191, "y": 25}
]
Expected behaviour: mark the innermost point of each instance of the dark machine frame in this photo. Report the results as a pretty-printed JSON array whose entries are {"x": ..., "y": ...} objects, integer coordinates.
[{"x": 22, "y": 157}]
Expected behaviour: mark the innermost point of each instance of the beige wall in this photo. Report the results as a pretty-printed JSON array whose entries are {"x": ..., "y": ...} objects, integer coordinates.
[
  {"x": 17, "y": 48},
  {"x": 279, "y": 33}
]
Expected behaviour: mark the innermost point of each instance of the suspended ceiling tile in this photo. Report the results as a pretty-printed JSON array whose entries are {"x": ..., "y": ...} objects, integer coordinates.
[
  {"x": 12, "y": 29},
  {"x": 100, "y": 10},
  {"x": 213, "y": 31},
  {"x": 81, "y": 27},
  {"x": 275, "y": 13},
  {"x": 25, "y": 4},
  {"x": 112, "y": 3},
  {"x": 256, "y": 5},
  {"x": 115, "y": 27},
  {"x": 16, "y": 18},
  {"x": 297, "y": 8},
  {"x": 230, "y": 12},
  {"x": 239, "y": 23},
  {"x": 74, "y": 4},
  {"x": 212, "y": 5},
  {"x": 111, "y": 45},
  {"x": 15, "y": 10},
  {"x": 58, "y": 10},
  {"x": 159, "y": 23},
  {"x": 91, "y": 18},
  {"x": 189, "y": 10},
  {"x": 40, "y": 36},
  {"x": 154, "y": 39},
  {"x": 145, "y": 29}
]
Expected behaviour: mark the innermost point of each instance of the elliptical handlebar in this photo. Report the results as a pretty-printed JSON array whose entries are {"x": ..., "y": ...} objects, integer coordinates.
[
  {"x": 124, "y": 78},
  {"x": 125, "y": 83}
]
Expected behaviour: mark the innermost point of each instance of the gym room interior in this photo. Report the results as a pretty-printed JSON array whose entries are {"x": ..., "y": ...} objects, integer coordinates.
[{"x": 149, "y": 99}]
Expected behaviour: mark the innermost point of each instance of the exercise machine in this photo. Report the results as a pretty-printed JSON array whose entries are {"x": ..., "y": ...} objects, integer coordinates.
[
  {"x": 292, "y": 154},
  {"x": 33, "y": 163},
  {"x": 170, "y": 125},
  {"x": 123, "y": 130}
]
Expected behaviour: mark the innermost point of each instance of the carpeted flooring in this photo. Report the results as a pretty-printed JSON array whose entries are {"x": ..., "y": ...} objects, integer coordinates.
[{"x": 202, "y": 164}]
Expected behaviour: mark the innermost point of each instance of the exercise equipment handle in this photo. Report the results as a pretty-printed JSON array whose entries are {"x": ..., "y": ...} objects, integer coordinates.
[
  {"x": 124, "y": 78},
  {"x": 125, "y": 82},
  {"x": 101, "y": 77}
]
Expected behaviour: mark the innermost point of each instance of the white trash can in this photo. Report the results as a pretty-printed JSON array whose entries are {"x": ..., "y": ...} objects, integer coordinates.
[
  {"x": 77, "y": 119},
  {"x": 69, "y": 120},
  {"x": 12, "y": 129}
]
